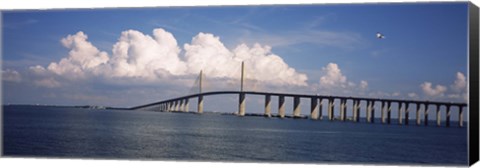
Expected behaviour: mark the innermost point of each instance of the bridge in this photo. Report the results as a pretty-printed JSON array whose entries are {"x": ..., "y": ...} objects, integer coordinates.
[{"x": 181, "y": 104}]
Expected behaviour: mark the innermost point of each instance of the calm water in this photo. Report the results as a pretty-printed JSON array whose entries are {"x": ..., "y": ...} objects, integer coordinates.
[{"x": 86, "y": 133}]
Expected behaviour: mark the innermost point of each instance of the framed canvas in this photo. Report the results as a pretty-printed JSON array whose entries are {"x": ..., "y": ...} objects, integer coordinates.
[{"x": 355, "y": 84}]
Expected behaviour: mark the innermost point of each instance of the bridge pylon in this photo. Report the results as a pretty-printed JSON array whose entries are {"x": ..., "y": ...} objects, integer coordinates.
[
  {"x": 200, "y": 97},
  {"x": 241, "y": 98}
]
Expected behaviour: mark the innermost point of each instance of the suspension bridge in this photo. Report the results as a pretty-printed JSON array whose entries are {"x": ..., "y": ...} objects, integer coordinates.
[{"x": 181, "y": 104}]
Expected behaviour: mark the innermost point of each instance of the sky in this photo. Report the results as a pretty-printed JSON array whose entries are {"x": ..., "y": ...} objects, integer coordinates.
[{"x": 126, "y": 57}]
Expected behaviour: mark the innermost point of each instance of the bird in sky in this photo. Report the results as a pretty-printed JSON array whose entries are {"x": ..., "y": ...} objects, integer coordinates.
[{"x": 380, "y": 35}]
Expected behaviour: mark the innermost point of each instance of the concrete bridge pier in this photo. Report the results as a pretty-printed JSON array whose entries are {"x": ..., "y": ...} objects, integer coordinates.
[
  {"x": 200, "y": 104},
  {"x": 330, "y": 109},
  {"x": 241, "y": 104},
  {"x": 448, "y": 116},
  {"x": 389, "y": 112},
  {"x": 268, "y": 99},
  {"x": 382, "y": 112},
  {"x": 342, "y": 109},
  {"x": 314, "y": 108},
  {"x": 425, "y": 112},
  {"x": 281, "y": 106},
  {"x": 369, "y": 111},
  {"x": 354, "y": 110},
  {"x": 185, "y": 105},
  {"x": 345, "y": 109},
  {"x": 460, "y": 116},
  {"x": 372, "y": 116},
  {"x": 320, "y": 108},
  {"x": 418, "y": 113},
  {"x": 177, "y": 105},
  {"x": 182, "y": 105},
  {"x": 296, "y": 106},
  {"x": 439, "y": 122},
  {"x": 406, "y": 113},
  {"x": 400, "y": 119},
  {"x": 357, "y": 111},
  {"x": 172, "y": 106}
]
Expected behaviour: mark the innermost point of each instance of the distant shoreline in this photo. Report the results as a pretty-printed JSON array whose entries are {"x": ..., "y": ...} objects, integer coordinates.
[{"x": 66, "y": 106}]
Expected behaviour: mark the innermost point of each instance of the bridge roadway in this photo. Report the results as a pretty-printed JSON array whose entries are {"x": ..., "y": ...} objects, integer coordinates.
[{"x": 181, "y": 104}]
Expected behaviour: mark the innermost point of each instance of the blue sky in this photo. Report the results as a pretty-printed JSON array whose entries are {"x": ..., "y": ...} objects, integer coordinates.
[{"x": 425, "y": 43}]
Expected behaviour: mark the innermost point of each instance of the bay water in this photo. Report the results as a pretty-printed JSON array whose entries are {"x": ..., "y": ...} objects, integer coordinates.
[{"x": 64, "y": 132}]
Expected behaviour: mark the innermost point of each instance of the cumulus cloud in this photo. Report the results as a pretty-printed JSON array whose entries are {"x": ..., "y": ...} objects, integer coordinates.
[
  {"x": 11, "y": 75},
  {"x": 458, "y": 89},
  {"x": 140, "y": 55},
  {"x": 82, "y": 58},
  {"x": 436, "y": 91},
  {"x": 158, "y": 58},
  {"x": 332, "y": 81},
  {"x": 206, "y": 52},
  {"x": 333, "y": 76},
  {"x": 460, "y": 83}
]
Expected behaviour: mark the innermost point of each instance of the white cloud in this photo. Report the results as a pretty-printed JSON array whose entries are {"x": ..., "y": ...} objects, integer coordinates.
[
  {"x": 458, "y": 89},
  {"x": 38, "y": 70},
  {"x": 11, "y": 75},
  {"x": 157, "y": 58},
  {"x": 268, "y": 67},
  {"x": 460, "y": 83},
  {"x": 363, "y": 84},
  {"x": 333, "y": 76},
  {"x": 82, "y": 58},
  {"x": 437, "y": 91},
  {"x": 139, "y": 55},
  {"x": 334, "y": 82},
  {"x": 412, "y": 95},
  {"x": 206, "y": 52}
]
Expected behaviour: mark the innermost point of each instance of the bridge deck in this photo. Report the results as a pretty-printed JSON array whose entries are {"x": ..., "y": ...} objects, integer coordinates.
[{"x": 302, "y": 96}]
